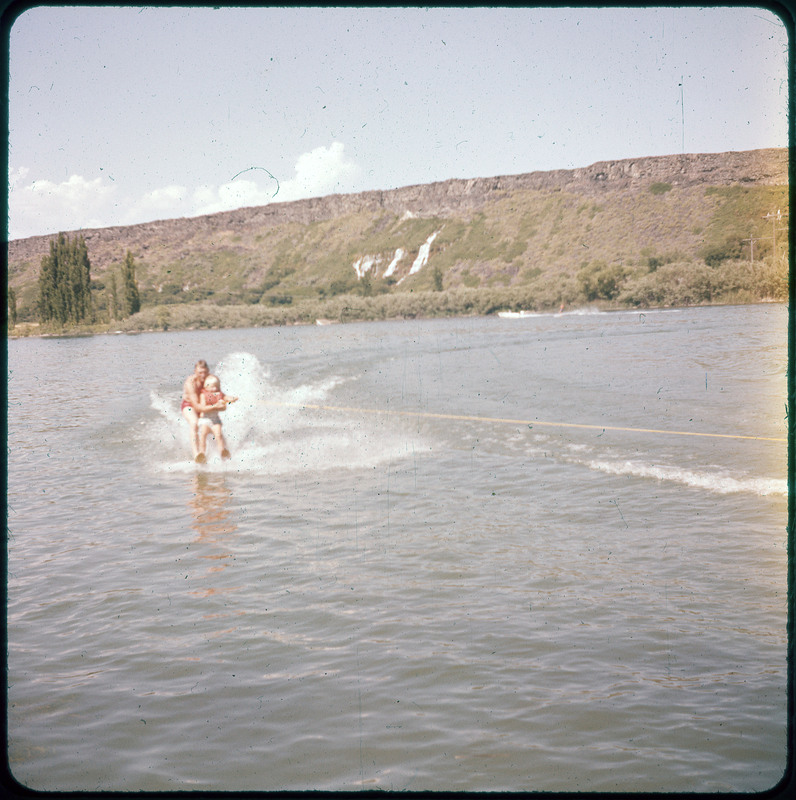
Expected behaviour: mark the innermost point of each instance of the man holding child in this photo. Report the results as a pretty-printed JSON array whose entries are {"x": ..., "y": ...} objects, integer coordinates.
[{"x": 200, "y": 406}]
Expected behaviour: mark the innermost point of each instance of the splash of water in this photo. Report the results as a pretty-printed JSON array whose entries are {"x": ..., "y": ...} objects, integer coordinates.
[{"x": 269, "y": 431}]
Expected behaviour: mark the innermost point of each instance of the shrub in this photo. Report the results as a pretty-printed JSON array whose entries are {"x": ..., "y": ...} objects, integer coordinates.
[
  {"x": 601, "y": 281},
  {"x": 713, "y": 254},
  {"x": 469, "y": 280},
  {"x": 342, "y": 286},
  {"x": 679, "y": 284}
]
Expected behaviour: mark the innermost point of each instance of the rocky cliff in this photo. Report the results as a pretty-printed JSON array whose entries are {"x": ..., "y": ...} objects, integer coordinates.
[{"x": 460, "y": 197}]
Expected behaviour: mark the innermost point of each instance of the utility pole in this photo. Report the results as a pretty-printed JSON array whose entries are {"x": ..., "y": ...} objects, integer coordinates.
[
  {"x": 752, "y": 241},
  {"x": 775, "y": 218}
]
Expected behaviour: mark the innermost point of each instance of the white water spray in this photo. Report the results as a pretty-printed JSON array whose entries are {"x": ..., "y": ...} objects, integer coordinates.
[{"x": 269, "y": 431}]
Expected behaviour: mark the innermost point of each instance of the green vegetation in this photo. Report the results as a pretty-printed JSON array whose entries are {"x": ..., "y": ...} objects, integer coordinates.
[
  {"x": 600, "y": 281},
  {"x": 64, "y": 282},
  {"x": 12, "y": 308},
  {"x": 659, "y": 245},
  {"x": 118, "y": 297},
  {"x": 68, "y": 297},
  {"x": 738, "y": 218},
  {"x": 342, "y": 308},
  {"x": 131, "y": 300}
]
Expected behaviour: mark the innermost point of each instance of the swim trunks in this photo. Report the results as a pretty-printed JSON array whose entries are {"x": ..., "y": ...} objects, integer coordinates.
[
  {"x": 185, "y": 404},
  {"x": 210, "y": 418}
]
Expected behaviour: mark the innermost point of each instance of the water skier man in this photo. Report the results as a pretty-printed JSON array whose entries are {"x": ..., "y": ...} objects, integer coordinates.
[
  {"x": 192, "y": 405},
  {"x": 210, "y": 396}
]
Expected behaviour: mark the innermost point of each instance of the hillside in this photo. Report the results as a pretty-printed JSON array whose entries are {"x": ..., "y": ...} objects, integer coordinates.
[{"x": 626, "y": 232}]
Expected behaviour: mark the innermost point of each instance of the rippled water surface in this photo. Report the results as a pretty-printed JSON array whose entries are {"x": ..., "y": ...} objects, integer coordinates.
[{"x": 469, "y": 554}]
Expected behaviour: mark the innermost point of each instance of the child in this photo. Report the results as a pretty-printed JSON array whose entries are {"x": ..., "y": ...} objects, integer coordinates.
[{"x": 209, "y": 420}]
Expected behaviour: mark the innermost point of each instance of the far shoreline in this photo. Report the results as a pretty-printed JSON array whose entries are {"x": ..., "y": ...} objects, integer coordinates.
[{"x": 575, "y": 311}]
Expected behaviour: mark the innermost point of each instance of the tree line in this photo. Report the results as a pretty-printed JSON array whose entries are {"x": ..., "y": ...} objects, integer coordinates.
[{"x": 65, "y": 286}]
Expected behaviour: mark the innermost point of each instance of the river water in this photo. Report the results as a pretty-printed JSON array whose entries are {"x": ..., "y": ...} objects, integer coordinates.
[{"x": 462, "y": 554}]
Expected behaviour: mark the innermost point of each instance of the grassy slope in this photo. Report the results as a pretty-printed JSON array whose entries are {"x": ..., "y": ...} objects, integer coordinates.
[{"x": 521, "y": 249}]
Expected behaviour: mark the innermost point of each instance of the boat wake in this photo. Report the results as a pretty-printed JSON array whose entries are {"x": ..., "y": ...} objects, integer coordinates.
[
  {"x": 610, "y": 461},
  {"x": 277, "y": 430},
  {"x": 719, "y": 482}
]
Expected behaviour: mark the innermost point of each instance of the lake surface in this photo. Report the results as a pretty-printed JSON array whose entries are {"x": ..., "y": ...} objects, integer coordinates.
[{"x": 465, "y": 554}]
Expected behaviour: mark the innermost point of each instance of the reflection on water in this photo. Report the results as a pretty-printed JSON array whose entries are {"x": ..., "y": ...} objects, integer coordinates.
[
  {"x": 209, "y": 505},
  {"x": 213, "y": 521}
]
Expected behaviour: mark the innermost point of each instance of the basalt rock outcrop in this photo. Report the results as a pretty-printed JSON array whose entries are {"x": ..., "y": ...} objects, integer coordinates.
[{"x": 463, "y": 197}]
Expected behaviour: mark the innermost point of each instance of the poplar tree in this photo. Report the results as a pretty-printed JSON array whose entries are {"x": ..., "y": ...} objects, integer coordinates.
[
  {"x": 113, "y": 303},
  {"x": 12, "y": 307},
  {"x": 81, "y": 281},
  {"x": 64, "y": 282},
  {"x": 49, "y": 306},
  {"x": 131, "y": 299}
]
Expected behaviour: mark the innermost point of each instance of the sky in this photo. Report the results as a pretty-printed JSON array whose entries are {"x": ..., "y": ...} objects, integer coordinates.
[{"x": 131, "y": 114}]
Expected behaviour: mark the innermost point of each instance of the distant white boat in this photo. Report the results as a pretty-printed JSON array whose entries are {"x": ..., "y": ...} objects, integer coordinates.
[
  {"x": 517, "y": 314},
  {"x": 326, "y": 321}
]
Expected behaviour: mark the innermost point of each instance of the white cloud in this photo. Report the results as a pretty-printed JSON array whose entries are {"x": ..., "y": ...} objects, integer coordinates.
[
  {"x": 319, "y": 172},
  {"x": 17, "y": 176},
  {"x": 238, "y": 193},
  {"x": 168, "y": 201},
  {"x": 47, "y": 207},
  {"x": 44, "y": 207},
  {"x": 324, "y": 170}
]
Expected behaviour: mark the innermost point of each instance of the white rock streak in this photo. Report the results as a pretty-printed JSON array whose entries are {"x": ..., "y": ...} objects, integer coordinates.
[
  {"x": 422, "y": 255},
  {"x": 367, "y": 263},
  {"x": 399, "y": 254}
]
